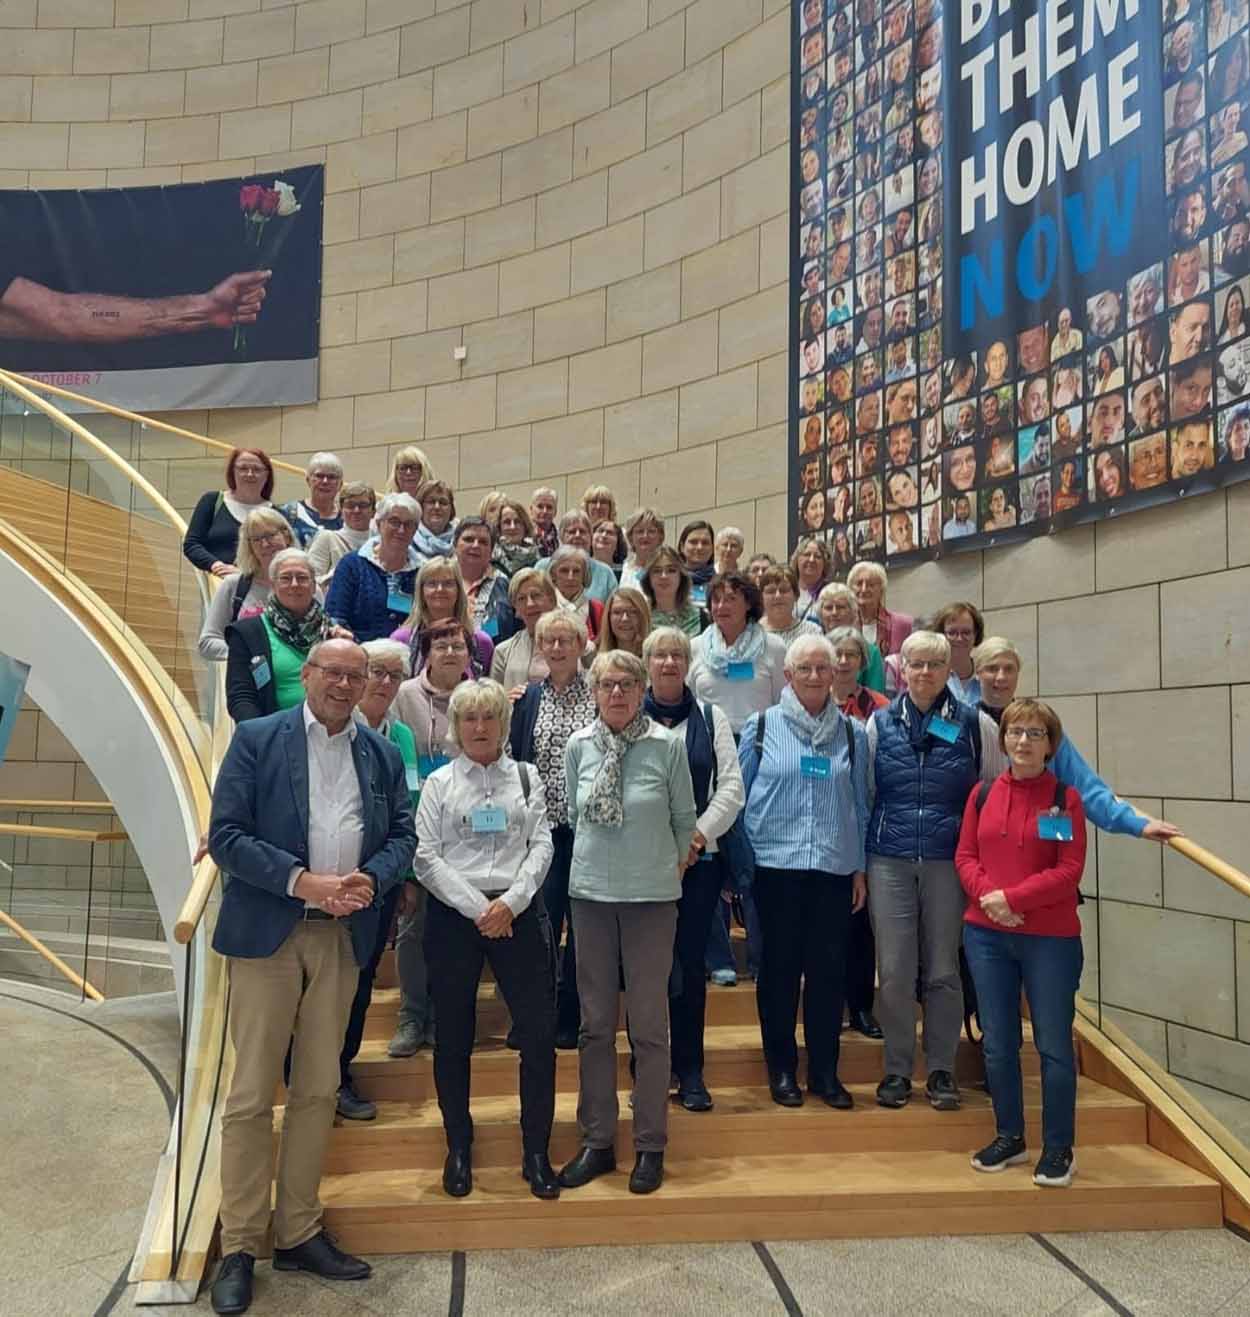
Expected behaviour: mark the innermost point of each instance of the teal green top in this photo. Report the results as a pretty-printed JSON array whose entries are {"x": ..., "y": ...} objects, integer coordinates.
[
  {"x": 693, "y": 621},
  {"x": 288, "y": 663},
  {"x": 873, "y": 676},
  {"x": 400, "y": 736}
]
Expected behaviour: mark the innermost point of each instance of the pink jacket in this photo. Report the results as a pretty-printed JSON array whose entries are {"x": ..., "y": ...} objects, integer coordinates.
[{"x": 892, "y": 630}]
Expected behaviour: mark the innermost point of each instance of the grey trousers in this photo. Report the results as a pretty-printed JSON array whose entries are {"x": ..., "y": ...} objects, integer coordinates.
[
  {"x": 415, "y": 1004},
  {"x": 635, "y": 938},
  {"x": 917, "y": 919}
]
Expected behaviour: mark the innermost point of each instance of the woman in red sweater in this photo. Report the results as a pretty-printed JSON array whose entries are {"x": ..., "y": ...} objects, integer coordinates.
[{"x": 1020, "y": 858}]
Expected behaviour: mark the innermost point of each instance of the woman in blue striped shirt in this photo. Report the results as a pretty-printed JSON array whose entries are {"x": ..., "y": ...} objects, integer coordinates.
[{"x": 805, "y": 767}]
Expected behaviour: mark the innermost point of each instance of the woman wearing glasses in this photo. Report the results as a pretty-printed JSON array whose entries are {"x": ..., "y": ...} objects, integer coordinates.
[
  {"x": 1020, "y": 859},
  {"x": 371, "y": 592},
  {"x": 357, "y": 502},
  {"x": 267, "y": 650},
  {"x": 440, "y": 596},
  {"x": 438, "y": 516},
  {"x": 633, "y": 817},
  {"x": 320, "y": 510},
  {"x": 410, "y": 470},
  {"x": 245, "y": 591},
  {"x": 212, "y": 537},
  {"x": 961, "y": 623}
]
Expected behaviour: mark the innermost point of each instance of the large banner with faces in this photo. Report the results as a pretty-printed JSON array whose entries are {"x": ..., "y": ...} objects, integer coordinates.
[{"x": 1021, "y": 265}]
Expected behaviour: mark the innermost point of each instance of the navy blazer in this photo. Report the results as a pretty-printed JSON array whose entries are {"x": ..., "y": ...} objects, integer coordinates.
[
  {"x": 259, "y": 832},
  {"x": 524, "y": 719}
]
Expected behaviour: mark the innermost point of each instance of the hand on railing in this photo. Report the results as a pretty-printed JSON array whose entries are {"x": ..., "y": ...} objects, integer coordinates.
[{"x": 1160, "y": 830}]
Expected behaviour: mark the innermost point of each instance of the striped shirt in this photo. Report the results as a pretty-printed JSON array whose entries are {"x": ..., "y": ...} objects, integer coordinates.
[{"x": 796, "y": 820}]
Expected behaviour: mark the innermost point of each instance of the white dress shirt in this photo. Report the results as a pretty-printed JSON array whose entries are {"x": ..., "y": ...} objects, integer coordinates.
[
  {"x": 460, "y": 866},
  {"x": 335, "y": 818}
]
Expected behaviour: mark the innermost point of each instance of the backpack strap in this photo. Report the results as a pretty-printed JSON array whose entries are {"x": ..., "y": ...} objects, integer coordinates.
[
  {"x": 983, "y": 794},
  {"x": 850, "y": 742},
  {"x": 711, "y": 732},
  {"x": 760, "y": 722},
  {"x": 241, "y": 588},
  {"x": 1061, "y": 795}
]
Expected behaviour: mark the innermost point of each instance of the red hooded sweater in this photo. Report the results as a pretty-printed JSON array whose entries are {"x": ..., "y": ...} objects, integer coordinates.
[{"x": 1000, "y": 848}]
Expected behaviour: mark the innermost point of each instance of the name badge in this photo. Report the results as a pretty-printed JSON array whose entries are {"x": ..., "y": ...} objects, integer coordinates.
[
  {"x": 399, "y": 602},
  {"x": 260, "y": 673},
  {"x": 412, "y": 775},
  {"x": 944, "y": 730},
  {"x": 489, "y": 818},
  {"x": 427, "y": 764},
  {"x": 741, "y": 670},
  {"x": 1054, "y": 827},
  {"x": 698, "y": 595},
  {"x": 491, "y": 627},
  {"x": 815, "y": 766}
]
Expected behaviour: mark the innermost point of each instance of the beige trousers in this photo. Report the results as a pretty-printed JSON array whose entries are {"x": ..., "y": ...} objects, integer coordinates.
[{"x": 304, "y": 989}]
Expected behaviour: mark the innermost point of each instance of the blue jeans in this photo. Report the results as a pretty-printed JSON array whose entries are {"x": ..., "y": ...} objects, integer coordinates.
[
  {"x": 720, "y": 953},
  {"x": 1049, "y": 968}
]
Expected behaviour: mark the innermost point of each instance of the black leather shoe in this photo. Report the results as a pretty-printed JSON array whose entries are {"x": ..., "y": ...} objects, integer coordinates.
[
  {"x": 512, "y": 1042},
  {"x": 832, "y": 1092},
  {"x": 537, "y": 1172},
  {"x": 232, "y": 1290},
  {"x": 942, "y": 1091},
  {"x": 863, "y": 1022},
  {"x": 648, "y": 1173},
  {"x": 566, "y": 1040},
  {"x": 458, "y": 1173},
  {"x": 692, "y": 1094},
  {"x": 322, "y": 1257},
  {"x": 785, "y": 1089},
  {"x": 351, "y": 1106},
  {"x": 894, "y": 1091},
  {"x": 588, "y": 1165}
]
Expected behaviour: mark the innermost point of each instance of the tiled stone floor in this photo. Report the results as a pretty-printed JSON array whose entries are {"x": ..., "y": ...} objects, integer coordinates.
[{"x": 84, "y": 1120}]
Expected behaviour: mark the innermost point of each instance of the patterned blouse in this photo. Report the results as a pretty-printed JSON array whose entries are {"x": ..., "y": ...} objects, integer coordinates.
[{"x": 560, "y": 714}]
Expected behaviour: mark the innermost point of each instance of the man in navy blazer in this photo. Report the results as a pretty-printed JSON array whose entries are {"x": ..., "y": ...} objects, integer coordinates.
[{"x": 311, "y": 826}]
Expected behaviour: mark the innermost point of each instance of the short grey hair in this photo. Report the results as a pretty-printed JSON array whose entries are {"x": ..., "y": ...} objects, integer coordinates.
[
  {"x": 668, "y": 636},
  {"x": 926, "y": 644},
  {"x": 836, "y": 590},
  {"x": 387, "y": 649},
  {"x": 568, "y": 518},
  {"x": 545, "y": 491},
  {"x": 849, "y": 635},
  {"x": 873, "y": 569},
  {"x": 324, "y": 462},
  {"x": 561, "y": 618},
  {"x": 404, "y": 503},
  {"x": 617, "y": 660},
  {"x": 731, "y": 533},
  {"x": 805, "y": 644},
  {"x": 480, "y": 696},
  {"x": 284, "y": 556},
  {"x": 564, "y": 553}
]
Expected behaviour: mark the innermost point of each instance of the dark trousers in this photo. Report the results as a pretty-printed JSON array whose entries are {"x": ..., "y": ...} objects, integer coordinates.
[
  {"x": 804, "y": 916},
  {"x": 700, "y": 897},
  {"x": 1049, "y": 969},
  {"x": 364, "y": 986},
  {"x": 861, "y": 963},
  {"x": 524, "y": 969},
  {"x": 555, "y": 897}
]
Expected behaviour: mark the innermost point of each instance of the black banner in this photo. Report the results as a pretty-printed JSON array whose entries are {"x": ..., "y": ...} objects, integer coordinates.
[
  {"x": 196, "y": 295},
  {"x": 1021, "y": 264}
]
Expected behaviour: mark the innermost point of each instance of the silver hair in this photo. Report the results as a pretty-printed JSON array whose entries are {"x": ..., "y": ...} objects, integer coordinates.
[
  {"x": 873, "y": 569},
  {"x": 397, "y": 503},
  {"x": 836, "y": 590},
  {"x": 566, "y": 551},
  {"x": 801, "y": 645},
  {"x": 325, "y": 462},
  {"x": 667, "y": 635},
  {"x": 619, "y": 660},
  {"x": 849, "y": 635},
  {"x": 387, "y": 649},
  {"x": 284, "y": 556}
]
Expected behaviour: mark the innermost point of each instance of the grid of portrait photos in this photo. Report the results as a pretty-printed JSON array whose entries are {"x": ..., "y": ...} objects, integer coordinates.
[{"x": 904, "y": 448}]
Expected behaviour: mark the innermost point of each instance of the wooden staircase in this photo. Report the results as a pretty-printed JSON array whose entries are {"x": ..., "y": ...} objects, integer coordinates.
[{"x": 746, "y": 1170}]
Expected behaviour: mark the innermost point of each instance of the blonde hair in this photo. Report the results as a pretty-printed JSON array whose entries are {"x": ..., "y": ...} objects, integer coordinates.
[
  {"x": 419, "y": 617},
  {"x": 642, "y": 517},
  {"x": 994, "y": 647},
  {"x": 408, "y": 454},
  {"x": 479, "y": 696},
  {"x": 924, "y": 644},
  {"x": 531, "y": 576},
  {"x": 637, "y": 600},
  {"x": 622, "y": 661},
  {"x": 597, "y": 492},
  {"x": 667, "y": 635},
  {"x": 256, "y": 521}
]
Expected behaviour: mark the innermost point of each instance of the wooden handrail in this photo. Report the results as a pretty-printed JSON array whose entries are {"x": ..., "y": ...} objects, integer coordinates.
[
  {"x": 52, "y": 958},
  {"x": 59, "y": 806},
  {"x": 196, "y": 899},
  {"x": 1222, "y": 870},
  {"x": 136, "y": 418},
  {"x": 61, "y": 834}
]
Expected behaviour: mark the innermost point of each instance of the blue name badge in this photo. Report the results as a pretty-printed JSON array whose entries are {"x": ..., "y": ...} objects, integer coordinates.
[
  {"x": 491, "y": 627},
  {"x": 698, "y": 595},
  {"x": 399, "y": 602},
  {"x": 427, "y": 764},
  {"x": 489, "y": 818},
  {"x": 741, "y": 670},
  {"x": 944, "y": 730},
  {"x": 260, "y": 673},
  {"x": 815, "y": 766},
  {"x": 1054, "y": 827}
]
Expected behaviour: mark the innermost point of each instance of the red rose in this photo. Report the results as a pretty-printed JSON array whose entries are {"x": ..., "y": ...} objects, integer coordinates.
[
  {"x": 269, "y": 200},
  {"x": 250, "y": 197}
]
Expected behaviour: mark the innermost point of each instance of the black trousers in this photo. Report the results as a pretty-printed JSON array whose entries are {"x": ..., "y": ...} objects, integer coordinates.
[
  {"x": 700, "y": 898},
  {"x": 804, "y": 917},
  {"x": 861, "y": 963},
  {"x": 555, "y": 897},
  {"x": 364, "y": 986},
  {"x": 524, "y": 968}
]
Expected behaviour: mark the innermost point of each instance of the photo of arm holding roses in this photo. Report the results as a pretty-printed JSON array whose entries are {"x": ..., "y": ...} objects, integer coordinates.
[{"x": 194, "y": 295}]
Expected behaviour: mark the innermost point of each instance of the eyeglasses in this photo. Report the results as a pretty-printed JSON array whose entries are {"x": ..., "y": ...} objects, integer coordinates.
[
  {"x": 813, "y": 670},
  {"x": 626, "y": 685},
  {"x": 449, "y": 647},
  {"x": 435, "y": 501},
  {"x": 1025, "y": 734},
  {"x": 269, "y": 537},
  {"x": 355, "y": 506},
  {"x": 409, "y": 469},
  {"x": 250, "y": 471},
  {"x": 926, "y": 665},
  {"x": 326, "y": 475},
  {"x": 399, "y": 524},
  {"x": 288, "y": 578},
  {"x": 379, "y": 673},
  {"x": 340, "y": 675},
  {"x": 441, "y": 583},
  {"x": 848, "y": 656}
]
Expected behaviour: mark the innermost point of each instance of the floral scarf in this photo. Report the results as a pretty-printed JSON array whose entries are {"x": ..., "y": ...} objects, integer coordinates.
[
  {"x": 606, "y": 805},
  {"x": 301, "y": 633},
  {"x": 748, "y": 648},
  {"x": 511, "y": 558}
]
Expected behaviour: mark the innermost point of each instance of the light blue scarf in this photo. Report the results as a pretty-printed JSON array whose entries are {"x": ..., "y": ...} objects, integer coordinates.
[{"x": 748, "y": 648}]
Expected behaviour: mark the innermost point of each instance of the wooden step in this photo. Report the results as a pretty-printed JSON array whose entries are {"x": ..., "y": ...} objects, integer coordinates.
[
  {"x": 795, "y": 1196},
  {"x": 734, "y": 1058},
  {"x": 743, "y": 1121}
]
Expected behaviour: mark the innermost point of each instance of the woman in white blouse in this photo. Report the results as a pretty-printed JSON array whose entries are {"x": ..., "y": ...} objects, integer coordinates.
[
  {"x": 718, "y": 796},
  {"x": 483, "y": 848}
]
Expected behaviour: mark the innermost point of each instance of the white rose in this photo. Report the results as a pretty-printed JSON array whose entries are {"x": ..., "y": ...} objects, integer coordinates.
[{"x": 287, "y": 205}]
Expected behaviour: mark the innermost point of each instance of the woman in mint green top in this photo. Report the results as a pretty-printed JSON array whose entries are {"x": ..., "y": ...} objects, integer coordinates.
[
  {"x": 388, "y": 669},
  {"x": 667, "y": 585}
]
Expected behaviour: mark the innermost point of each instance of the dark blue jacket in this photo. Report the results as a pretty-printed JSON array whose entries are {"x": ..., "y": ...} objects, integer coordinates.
[
  {"x": 357, "y": 598},
  {"x": 921, "y": 781},
  {"x": 524, "y": 718},
  {"x": 259, "y": 832}
]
